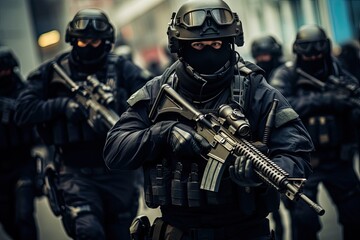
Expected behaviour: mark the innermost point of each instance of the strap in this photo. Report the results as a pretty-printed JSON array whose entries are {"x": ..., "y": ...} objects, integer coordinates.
[
  {"x": 111, "y": 76},
  {"x": 244, "y": 82},
  {"x": 168, "y": 75}
]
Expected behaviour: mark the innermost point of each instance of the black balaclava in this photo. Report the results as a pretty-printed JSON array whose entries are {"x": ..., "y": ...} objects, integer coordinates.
[
  {"x": 208, "y": 60},
  {"x": 7, "y": 81},
  {"x": 89, "y": 58},
  {"x": 319, "y": 68},
  {"x": 213, "y": 70},
  {"x": 268, "y": 66}
]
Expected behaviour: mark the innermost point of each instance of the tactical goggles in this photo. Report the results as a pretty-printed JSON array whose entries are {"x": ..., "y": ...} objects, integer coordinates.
[
  {"x": 97, "y": 24},
  {"x": 197, "y": 18},
  {"x": 311, "y": 47}
]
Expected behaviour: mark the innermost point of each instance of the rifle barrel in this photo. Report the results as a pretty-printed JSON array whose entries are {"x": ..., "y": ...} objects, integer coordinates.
[
  {"x": 64, "y": 76},
  {"x": 311, "y": 78}
]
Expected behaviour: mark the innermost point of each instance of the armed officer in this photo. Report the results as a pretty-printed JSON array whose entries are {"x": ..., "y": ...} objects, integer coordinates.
[
  {"x": 267, "y": 52},
  {"x": 208, "y": 74},
  {"x": 17, "y": 166},
  {"x": 98, "y": 204},
  {"x": 329, "y": 117}
]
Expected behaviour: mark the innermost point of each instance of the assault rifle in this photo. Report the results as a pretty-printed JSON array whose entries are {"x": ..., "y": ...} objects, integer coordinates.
[
  {"x": 7, "y": 108},
  {"x": 94, "y": 99},
  {"x": 333, "y": 83},
  {"x": 222, "y": 133}
]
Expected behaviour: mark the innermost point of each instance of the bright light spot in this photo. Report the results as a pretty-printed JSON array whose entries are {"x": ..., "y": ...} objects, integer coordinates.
[{"x": 49, "y": 38}]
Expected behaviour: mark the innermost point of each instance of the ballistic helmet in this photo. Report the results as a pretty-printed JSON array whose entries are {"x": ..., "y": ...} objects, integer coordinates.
[
  {"x": 266, "y": 45},
  {"x": 311, "y": 40},
  {"x": 198, "y": 20},
  {"x": 90, "y": 23}
]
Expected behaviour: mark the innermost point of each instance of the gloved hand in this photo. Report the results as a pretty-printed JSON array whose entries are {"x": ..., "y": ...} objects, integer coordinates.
[
  {"x": 336, "y": 100},
  {"x": 242, "y": 173},
  {"x": 74, "y": 112},
  {"x": 186, "y": 142}
]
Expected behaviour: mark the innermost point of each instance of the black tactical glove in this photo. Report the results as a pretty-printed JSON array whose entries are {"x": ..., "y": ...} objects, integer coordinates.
[
  {"x": 336, "y": 100},
  {"x": 242, "y": 173},
  {"x": 186, "y": 142},
  {"x": 74, "y": 112}
]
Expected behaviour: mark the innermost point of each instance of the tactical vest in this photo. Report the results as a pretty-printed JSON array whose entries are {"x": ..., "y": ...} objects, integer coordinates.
[
  {"x": 61, "y": 131},
  {"x": 166, "y": 185},
  {"x": 325, "y": 129}
]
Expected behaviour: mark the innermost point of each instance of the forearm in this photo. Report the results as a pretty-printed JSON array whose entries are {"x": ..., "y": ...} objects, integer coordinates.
[
  {"x": 130, "y": 141},
  {"x": 32, "y": 110},
  {"x": 290, "y": 151}
]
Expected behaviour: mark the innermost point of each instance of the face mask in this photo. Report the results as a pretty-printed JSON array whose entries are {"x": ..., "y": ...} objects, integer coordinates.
[
  {"x": 90, "y": 54},
  {"x": 314, "y": 66},
  {"x": 6, "y": 83},
  {"x": 317, "y": 68},
  {"x": 208, "y": 60}
]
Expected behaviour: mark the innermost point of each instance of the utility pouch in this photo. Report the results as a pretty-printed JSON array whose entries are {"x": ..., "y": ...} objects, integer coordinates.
[
  {"x": 178, "y": 188},
  {"x": 149, "y": 179},
  {"x": 324, "y": 131},
  {"x": 194, "y": 196},
  {"x": 159, "y": 187}
]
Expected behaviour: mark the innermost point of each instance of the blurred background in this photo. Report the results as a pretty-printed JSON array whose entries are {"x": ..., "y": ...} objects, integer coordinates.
[{"x": 35, "y": 31}]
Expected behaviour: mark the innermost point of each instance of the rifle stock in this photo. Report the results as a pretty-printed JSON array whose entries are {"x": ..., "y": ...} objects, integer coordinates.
[
  {"x": 226, "y": 147},
  {"x": 91, "y": 101}
]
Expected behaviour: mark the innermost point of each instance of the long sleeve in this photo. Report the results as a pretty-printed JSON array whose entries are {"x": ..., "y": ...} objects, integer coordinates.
[{"x": 32, "y": 104}]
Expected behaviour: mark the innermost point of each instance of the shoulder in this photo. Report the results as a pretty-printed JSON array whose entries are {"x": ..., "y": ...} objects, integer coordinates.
[
  {"x": 284, "y": 72},
  {"x": 247, "y": 67},
  {"x": 45, "y": 68},
  {"x": 147, "y": 93}
]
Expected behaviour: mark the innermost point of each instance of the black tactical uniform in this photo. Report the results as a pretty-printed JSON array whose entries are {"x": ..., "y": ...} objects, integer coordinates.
[
  {"x": 328, "y": 116},
  {"x": 267, "y": 53},
  {"x": 206, "y": 79},
  {"x": 100, "y": 204},
  {"x": 17, "y": 167}
]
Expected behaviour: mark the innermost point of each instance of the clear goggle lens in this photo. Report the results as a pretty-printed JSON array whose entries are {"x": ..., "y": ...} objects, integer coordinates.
[
  {"x": 97, "y": 24},
  {"x": 196, "y": 18}
]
